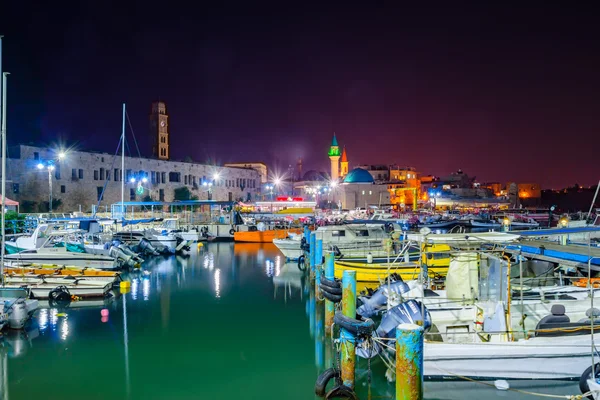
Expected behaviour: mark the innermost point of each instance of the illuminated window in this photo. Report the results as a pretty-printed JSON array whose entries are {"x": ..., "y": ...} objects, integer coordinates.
[
  {"x": 363, "y": 192},
  {"x": 370, "y": 192}
]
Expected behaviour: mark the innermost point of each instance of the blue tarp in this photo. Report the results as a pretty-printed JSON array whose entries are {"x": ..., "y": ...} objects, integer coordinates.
[
  {"x": 126, "y": 222},
  {"x": 557, "y": 231}
]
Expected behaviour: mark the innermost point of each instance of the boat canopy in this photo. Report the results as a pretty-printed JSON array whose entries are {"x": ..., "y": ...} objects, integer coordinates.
[{"x": 126, "y": 222}]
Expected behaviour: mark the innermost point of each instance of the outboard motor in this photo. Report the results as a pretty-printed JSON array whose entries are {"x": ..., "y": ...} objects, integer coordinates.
[
  {"x": 125, "y": 249},
  {"x": 146, "y": 247},
  {"x": 17, "y": 313},
  {"x": 406, "y": 313},
  {"x": 122, "y": 257},
  {"x": 380, "y": 297}
]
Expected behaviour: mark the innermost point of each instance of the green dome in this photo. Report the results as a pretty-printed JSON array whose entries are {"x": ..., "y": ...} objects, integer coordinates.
[{"x": 359, "y": 175}]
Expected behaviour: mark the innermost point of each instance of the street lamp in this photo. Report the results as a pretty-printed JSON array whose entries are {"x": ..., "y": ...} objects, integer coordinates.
[
  {"x": 209, "y": 185},
  {"x": 270, "y": 189},
  {"x": 50, "y": 167}
]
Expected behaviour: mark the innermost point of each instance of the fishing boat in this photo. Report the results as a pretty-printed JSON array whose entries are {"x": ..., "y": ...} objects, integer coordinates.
[
  {"x": 60, "y": 256},
  {"x": 435, "y": 258},
  {"x": 349, "y": 238},
  {"x": 485, "y": 223},
  {"x": 261, "y": 233},
  {"x": 17, "y": 306},
  {"x": 41, "y": 288},
  {"x": 174, "y": 227}
]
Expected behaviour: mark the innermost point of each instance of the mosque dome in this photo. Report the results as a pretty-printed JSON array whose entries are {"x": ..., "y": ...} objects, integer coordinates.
[{"x": 359, "y": 175}]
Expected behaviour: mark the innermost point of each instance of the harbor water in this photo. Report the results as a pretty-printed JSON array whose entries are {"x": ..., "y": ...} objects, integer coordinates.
[{"x": 227, "y": 322}]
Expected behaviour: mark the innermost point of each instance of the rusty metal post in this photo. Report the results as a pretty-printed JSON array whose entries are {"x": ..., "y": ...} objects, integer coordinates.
[
  {"x": 306, "y": 234},
  {"x": 312, "y": 243},
  {"x": 318, "y": 267},
  {"x": 329, "y": 306},
  {"x": 311, "y": 312},
  {"x": 409, "y": 362},
  {"x": 348, "y": 351}
]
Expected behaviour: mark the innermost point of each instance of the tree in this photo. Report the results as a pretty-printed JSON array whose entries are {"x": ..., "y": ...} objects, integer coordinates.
[{"x": 183, "y": 193}]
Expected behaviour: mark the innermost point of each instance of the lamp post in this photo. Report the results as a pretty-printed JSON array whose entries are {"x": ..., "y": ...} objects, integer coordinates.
[
  {"x": 270, "y": 189},
  {"x": 209, "y": 186},
  {"x": 49, "y": 166}
]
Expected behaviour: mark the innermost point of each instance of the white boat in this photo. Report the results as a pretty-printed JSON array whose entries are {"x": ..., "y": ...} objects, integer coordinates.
[
  {"x": 172, "y": 226},
  {"x": 156, "y": 239},
  {"x": 559, "y": 357},
  {"x": 480, "y": 223},
  {"x": 346, "y": 238},
  {"x": 60, "y": 256},
  {"x": 42, "y": 290}
]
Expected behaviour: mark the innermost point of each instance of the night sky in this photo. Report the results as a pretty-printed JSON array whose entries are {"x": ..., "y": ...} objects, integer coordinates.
[{"x": 505, "y": 93}]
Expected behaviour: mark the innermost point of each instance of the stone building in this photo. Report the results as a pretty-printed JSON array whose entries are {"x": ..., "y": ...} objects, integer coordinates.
[
  {"x": 359, "y": 190},
  {"x": 81, "y": 180}
]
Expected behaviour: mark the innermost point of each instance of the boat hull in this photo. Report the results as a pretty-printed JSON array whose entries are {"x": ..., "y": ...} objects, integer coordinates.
[
  {"x": 262, "y": 236},
  {"x": 560, "y": 358},
  {"x": 82, "y": 260},
  {"x": 378, "y": 272}
]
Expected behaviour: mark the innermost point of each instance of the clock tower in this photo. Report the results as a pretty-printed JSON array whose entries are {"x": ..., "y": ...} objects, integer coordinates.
[{"x": 159, "y": 129}]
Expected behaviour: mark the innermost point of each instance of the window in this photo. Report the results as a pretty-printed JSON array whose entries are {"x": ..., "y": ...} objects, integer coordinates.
[
  {"x": 117, "y": 175},
  {"x": 99, "y": 192},
  {"x": 370, "y": 192},
  {"x": 363, "y": 192},
  {"x": 237, "y": 182},
  {"x": 80, "y": 174},
  {"x": 36, "y": 155},
  {"x": 131, "y": 194},
  {"x": 95, "y": 174},
  {"x": 362, "y": 233},
  {"x": 174, "y": 177},
  {"x": 127, "y": 175},
  {"x": 57, "y": 172},
  {"x": 15, "y": 188},
  {"x": 338, "y": 233},
  {"x": 63, "y": 189},
  {"x": 185, "y": 179},
  {"x": 161, "y": 194},
  {"x": 108, "y": 174},
  {"x": 163, "y": 177},
  {"x": 101, "y": 174},
  {"x": 153, "y": 177},
  {"x": 73, "y": 173}
]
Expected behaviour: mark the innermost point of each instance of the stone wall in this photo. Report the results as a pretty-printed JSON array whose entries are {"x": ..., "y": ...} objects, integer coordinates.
[{"x": 80, "y": 177}]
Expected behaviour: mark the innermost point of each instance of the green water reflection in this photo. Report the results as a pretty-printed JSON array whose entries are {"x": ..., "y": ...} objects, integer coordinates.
[{"x": 229, "y": 322}]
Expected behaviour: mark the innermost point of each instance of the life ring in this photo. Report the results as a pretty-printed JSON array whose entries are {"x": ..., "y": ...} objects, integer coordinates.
[
  {"x": 583, "y": 282},
  {"x": 301, "y": 264},
  {"x": 323, "y": 380},
  {"x": 587, "y": 374},
  {"x": 231, "y": 231},
  {"x": 357, "y": 327}
]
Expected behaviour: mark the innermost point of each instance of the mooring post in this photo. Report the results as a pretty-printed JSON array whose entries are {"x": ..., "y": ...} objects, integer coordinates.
[
  {"x": 318, "y": 267},
  {"x": 306, "y": 233},
  {"x": 348, "y": 352},
  {"x": 312, "y": 249},
  {"x": 329, "y": 306},
  {"x": 409, "y": 362},
  {"x": 311, "y": 313},
  {"x": 319, "y": 342}
]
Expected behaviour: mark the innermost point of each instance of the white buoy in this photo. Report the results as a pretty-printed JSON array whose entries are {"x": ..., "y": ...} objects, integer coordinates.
[
  {"x": 369, "y": 258},
  {"x": 501, "y": 384}
]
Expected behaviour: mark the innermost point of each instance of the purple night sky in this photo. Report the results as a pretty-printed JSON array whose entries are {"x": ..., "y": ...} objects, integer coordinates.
[{"x": 503, "y": 92}]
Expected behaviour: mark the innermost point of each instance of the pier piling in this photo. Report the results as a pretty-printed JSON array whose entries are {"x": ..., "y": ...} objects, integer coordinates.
[
  {"x": 329, "y": 306},
  {"x": 347, "y": 339},
  {"x": 409, "y": 362},
  {"x": 318, "y": 267},
  {"x": 312, "y": 248}
]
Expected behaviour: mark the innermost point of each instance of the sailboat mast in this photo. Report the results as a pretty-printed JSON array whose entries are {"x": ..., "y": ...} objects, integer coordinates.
[
  {"x": 123, "y": 166},
  {"x": 3, "y": 175}
]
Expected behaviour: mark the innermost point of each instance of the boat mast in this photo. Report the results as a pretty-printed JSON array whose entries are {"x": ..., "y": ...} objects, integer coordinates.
[
  {"x": 3, "y": 129},
  {"x": 123, "y": 166},
  {"x": 593, "y": 201}
]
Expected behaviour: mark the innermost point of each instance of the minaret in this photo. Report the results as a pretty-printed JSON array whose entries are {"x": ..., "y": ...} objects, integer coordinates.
[
  {"x": 344, "y": 163},
  {"x": 159, "y": 129},
  {"x": 334, "y": 156}
]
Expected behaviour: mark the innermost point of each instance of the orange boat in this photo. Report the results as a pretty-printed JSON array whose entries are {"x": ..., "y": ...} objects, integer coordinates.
[{"x": 256, "y": 236}]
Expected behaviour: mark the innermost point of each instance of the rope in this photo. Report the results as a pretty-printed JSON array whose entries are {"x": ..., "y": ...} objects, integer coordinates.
[{"x": 133, "y": 134}]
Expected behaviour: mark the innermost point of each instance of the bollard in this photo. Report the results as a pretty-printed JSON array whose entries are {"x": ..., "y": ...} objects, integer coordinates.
[
  {"x": 409, "y": 362},
  {"x": 329, "y": 306},
  {"x": 348, "y": 351},
  {"x": 312, "y": 243},
  {"x": 319, "y": 342},
  {"x": 318, "y": 267},
  {"x": 311, "y": 313}
]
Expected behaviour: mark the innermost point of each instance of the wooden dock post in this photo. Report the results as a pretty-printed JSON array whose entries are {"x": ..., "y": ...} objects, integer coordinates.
[
  {"x": 329, "y": 306},
  {"x": 347, "y": 339},
  {"x": 409, "y": 362}
]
